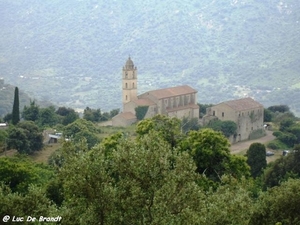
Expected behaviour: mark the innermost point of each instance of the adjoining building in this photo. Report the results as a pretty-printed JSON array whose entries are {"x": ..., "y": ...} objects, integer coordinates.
[
  {"x": 177, "y": 102},
  {"x": 3, "y": 125},
  {"x": 247, "y": 113}
]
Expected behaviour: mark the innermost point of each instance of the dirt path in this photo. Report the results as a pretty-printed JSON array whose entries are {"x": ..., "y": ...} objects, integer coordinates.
[{"x": 241, "y": 146}]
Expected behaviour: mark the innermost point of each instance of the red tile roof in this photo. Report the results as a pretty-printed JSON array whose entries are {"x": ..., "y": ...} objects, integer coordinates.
[
  {"x": 243, "y": 104},
  {"x": 144, "y": 102},
  {"x": 171, "y": 92},
  {"x": 127, "y": 115}
]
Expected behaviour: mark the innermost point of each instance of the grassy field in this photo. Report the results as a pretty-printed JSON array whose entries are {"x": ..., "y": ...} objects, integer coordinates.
[
  {"x": 43, "y": 155},
  {"x": 106, "y": 130}
]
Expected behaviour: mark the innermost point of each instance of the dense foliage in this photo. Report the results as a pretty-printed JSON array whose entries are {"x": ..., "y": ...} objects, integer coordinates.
[
  {"x": 256, "y": 158},
  {"x": 82, "y": 129},
  {"x": 286, "y": 127},
  {"x": 141, "y": 111},
  {"x": 164, "y": 174},
  {"x": 25, "y": 137},
  {"x": 228, "y": 128},
  {"x": 95, "y": 115}
]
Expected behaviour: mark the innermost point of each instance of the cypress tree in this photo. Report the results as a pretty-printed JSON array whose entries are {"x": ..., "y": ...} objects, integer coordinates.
[
  {"x": 256, "y": 158},
  {"x": 16, "y": 110}
]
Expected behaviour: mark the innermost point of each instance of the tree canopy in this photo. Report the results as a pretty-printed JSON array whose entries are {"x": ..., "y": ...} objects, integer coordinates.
[
  {"x": 210, "y": 151},
  {"x": 227, "y": 127},
  {"x": 25, "y": 137},
  {"x": 82, "y": 129},
  {"x": 168, "y": 128},
  {"x": 256, "y": 158}
]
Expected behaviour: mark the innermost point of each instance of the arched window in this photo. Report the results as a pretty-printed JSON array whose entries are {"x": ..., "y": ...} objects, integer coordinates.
[
  {"x": 132, "y": 85},
  {"x": 126, "y": 98},
  {"x": 126, "y": 86}
]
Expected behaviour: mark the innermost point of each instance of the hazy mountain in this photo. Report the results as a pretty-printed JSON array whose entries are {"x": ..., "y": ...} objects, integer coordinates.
[
  {"x": 72, "y": 52},
  {"x": 7, "y": 93}
]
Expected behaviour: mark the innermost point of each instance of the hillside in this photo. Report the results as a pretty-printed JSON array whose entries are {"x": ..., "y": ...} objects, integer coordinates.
[
  {"x": 7, "y": 97},
  {"x": 7, "y": 92},
  {"x": 72, "y": 52}
]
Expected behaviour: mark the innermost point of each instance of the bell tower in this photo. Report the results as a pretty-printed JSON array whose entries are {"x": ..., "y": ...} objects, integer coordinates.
[{"x": 129, "y": 82}]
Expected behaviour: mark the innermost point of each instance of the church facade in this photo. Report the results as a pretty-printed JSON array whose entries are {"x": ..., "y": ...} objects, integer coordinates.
[{"x": 180, "y": 101}]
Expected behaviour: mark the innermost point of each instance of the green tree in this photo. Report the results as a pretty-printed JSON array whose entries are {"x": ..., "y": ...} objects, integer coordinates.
[
  {"x": 278, "y": 204},
  {"x": 31, "y": 112},
  {"x": 227, "y": 127},
  {"x": 256, "y": 158},
  {"x": 7, "y": 118},
  {"x": 47, "y": 117},
  {"x": 111, "y": 142},
  {"x": 267, "y": 115},
  {"x": 16, "y": 108},
  {"x": 114, "y": 112},
  {"x": 282, "y": 169},
  {"x": 288, "y": 138},
  {"x": 189, "y": 124},
  {"x": 231, "y": 203},
  {"x": 67, "y": 115},
  {"x": 19, "y": 173},
  {"x": 279, "y": 108},
  {"x": 202, "y": 109},
  {"x": 17, "y": 139},
  {"x": 25, "y": 137},
  {"x": 34, "y": 203},
  {"x": 141, "y": 111},
  {"x": 168, "y": 128},
  {"x": 286, "y": 124},
  {"x": 143, "y": 182},
  {"x": 296, "y": 131},
  {"x": 93, "y": 115},
  {"x": 211, "y": 153},
  {"x": 82, "y": 129},
  {"x": 3, "y": 137}
]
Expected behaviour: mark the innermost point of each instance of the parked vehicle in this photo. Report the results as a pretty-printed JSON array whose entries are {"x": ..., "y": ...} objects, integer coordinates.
[{"x": 285, "y": 152}]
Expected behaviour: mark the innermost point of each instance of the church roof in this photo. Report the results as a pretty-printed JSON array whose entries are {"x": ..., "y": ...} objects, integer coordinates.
[
  {"x": 129, "y": 63},
  {"x": 127, "y": 115},
  {"x": 243, "y": 104},
  {"x": 144, "y": 102},
  {"x": 172, "y": 91}
]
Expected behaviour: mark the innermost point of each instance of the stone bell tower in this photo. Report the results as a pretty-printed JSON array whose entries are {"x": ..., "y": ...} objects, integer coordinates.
[{"x": 129, "y": 82}]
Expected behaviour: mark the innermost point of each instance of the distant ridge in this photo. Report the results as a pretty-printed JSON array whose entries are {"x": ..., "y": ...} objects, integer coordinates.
[{"x": 71, "y": 53}]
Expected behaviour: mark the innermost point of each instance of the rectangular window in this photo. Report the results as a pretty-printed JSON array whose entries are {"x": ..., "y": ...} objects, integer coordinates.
[
  {"x": 172, "y": 102},
  {"x": 214, "y": 113},
  {"x": 188, "y": 98},
  {"x": 222, "y": 114},
  {"x": 177, "y": 101},
  {"x": 166, "y": 102}
]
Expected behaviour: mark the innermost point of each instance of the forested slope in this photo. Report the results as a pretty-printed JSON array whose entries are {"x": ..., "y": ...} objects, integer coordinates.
[{"x": 72, "y": 52}]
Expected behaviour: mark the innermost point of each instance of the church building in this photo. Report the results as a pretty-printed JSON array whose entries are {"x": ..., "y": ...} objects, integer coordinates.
[{"x": 180, "y": 101}]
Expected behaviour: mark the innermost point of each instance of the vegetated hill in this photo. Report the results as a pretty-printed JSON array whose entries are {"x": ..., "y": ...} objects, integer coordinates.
[
  {"x": 7, "y": 93},
  {"x": 72, "y": 52}
]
